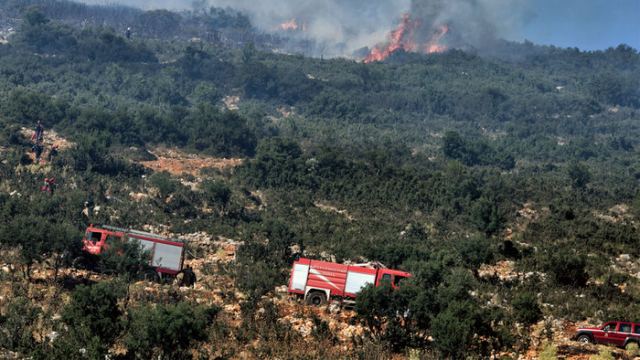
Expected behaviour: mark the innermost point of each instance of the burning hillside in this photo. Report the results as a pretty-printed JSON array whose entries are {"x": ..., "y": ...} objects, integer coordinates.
[
  {"x": 410, "y": 36},
  {"x": 435, "y": 26}
]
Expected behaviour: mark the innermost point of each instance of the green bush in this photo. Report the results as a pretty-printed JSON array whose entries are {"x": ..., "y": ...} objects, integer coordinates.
[
  {"x": 549, "y": 352},
  {"x": 526, "y": 309},
  {"x": 568, "y": 269},
  {"x": 125, "y": 258},
  {"x": 453, "y": 329},
  {"x": 18, "y": 325},
  {"x": 164, "y": 183},
  {"x": 95, "y": 310},
  {"x": 167, "y": 331}
]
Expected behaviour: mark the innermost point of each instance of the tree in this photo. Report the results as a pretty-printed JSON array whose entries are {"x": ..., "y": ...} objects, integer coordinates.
[
  {"x": 217, "y": 194},
  {"x": 35, "y": 17},
  {"x": 454, "y": 147},
  {"x": 487, "y": 215},
  {"x": 526, "y": 308},
  {"x": 167, "y": 331},
  {"x": 615, "y": 89},
  {"x": 39, "y": 238},
  {"x": 164, "y": 183},
  {"x": 568, "y": 269},
  {"x": 17, "y": 326},
  {"x": 453, "y": 329},
  {"x": 220, "y": 133},
  {"x": 278, "y": 163},
  {"x": 579, "y": 175},
  {"x": 375, "y": 305},
  {"x": 95, "y": 311}
]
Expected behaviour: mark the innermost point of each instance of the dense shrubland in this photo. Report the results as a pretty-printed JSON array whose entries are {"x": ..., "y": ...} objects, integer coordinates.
[{"x": 441, "y": 164}]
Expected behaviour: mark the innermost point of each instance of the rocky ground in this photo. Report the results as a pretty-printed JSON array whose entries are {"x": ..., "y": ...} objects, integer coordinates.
[
  {"x": 179, "y": 163},
  {"x": 212, "y": 258}
]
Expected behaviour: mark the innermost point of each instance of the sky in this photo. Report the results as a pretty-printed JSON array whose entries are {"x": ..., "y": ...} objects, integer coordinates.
[{"x": 585, "y": 24}]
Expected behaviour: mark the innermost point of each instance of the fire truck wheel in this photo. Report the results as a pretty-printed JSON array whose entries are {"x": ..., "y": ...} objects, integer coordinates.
[{"x": 316, "y": 298}]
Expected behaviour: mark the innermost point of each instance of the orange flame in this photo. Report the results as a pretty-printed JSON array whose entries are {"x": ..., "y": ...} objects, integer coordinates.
[
  {"x": 403, "y": 38},
  {"x": 292, "y": 25},
  {"x": 434, "y": 45}
]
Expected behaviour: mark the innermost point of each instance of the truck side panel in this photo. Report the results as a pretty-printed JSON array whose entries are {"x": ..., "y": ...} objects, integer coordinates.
[
  {"x": 146, "y": 245},
  {"x": 357, "y": 280},
  {"x": 167, "y": 257},
  {"x": 328, "y": 276},
  {"x": 299, "y": 277}
]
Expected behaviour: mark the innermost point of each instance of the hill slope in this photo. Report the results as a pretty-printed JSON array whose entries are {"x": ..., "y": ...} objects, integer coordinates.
[{"x": 508, "y": 188}]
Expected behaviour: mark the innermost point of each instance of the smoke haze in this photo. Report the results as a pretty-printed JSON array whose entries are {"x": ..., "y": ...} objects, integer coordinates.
[
  {"x": 473, "y": 23},
  {"x": 340, "y": 27}
]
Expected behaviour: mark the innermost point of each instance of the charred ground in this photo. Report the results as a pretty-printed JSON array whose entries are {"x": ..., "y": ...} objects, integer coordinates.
[{"x": 508, "y": 187}]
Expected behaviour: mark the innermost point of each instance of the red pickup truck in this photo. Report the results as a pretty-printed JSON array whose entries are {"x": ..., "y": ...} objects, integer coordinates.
[{"x": 618, "y": 333}]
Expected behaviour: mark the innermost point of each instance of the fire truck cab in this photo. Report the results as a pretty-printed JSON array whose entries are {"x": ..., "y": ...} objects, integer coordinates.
[{"x": 319, "y": 281}]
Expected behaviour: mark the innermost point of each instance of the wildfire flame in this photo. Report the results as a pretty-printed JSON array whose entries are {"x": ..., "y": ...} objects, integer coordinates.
[
  {"x": 292, "y": 25},
  {"x": 404, "y": 38},
  {"x": 434, "y": 44}
]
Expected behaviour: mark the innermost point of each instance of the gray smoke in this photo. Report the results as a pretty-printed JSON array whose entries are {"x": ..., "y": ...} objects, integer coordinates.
[
  {"x": 472, "y": 23},
  {"x": 340, "y": 27}
]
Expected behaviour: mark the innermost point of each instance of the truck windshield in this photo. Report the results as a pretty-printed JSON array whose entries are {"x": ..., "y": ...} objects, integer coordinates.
[{"x": 93, "y": 236}]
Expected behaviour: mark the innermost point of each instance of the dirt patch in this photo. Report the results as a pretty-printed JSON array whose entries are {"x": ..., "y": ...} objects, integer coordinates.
[
  {"x": 617, "y": 214},
  {"x": 505, "y": 271},
  {"x": 177, "y": 162},
  {"x": 333, "y": 209},
  {"x": 51, "y": 137}
]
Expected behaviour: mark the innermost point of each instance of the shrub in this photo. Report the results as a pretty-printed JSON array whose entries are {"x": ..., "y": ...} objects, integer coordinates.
[
  {"x": 164, "y": 183},
  {"x": 374, "y": 305},
  {"x": 633, "y": 350},
  {"x": 167, "y": 331},
  {"x": 526, "y": 309},
  {"x": 453, "y": 329},
  {"x": 603, "y": 354},
  {"x": 94, "y": 310},
  {"x": 568, "y": 269},
  {"x": 549, "y": 352},
  {"x": 17, "y": 326},
  {"x": 125, "y": 258}
]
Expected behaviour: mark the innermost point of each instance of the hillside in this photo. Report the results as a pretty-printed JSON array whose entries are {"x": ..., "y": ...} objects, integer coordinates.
[{"x": 507, "y": 185}]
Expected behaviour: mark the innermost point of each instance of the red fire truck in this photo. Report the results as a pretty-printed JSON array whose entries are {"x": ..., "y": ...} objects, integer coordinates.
[
  {"x": 167, "y": 255},
  {"x": 319, "y": 281}
]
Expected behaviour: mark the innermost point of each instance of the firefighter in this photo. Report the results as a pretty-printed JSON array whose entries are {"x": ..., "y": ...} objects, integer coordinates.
[
  {"x": 37, "y": 150},
  {"x": 188, "y": 277},
  {"x": 53, "y": 152},
  {"x": 49, "y": 185},
  {"x": 38, "y": 133}
]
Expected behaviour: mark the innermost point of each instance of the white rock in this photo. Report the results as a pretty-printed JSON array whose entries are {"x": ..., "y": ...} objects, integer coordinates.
[{"x": 53, "y": 336}]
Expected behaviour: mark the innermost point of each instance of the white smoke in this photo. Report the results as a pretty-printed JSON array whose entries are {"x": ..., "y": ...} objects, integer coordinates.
[{"x": 343, "y": 26}]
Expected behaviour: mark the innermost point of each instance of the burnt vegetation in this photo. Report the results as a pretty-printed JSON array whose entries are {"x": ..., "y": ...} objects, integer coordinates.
[{"x": 442, "y": 163}]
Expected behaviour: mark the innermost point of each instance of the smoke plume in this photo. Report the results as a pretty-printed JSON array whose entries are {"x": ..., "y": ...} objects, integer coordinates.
[
  {"x": 472, "y": 23},
  {"x": 340, "y": 27}
]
